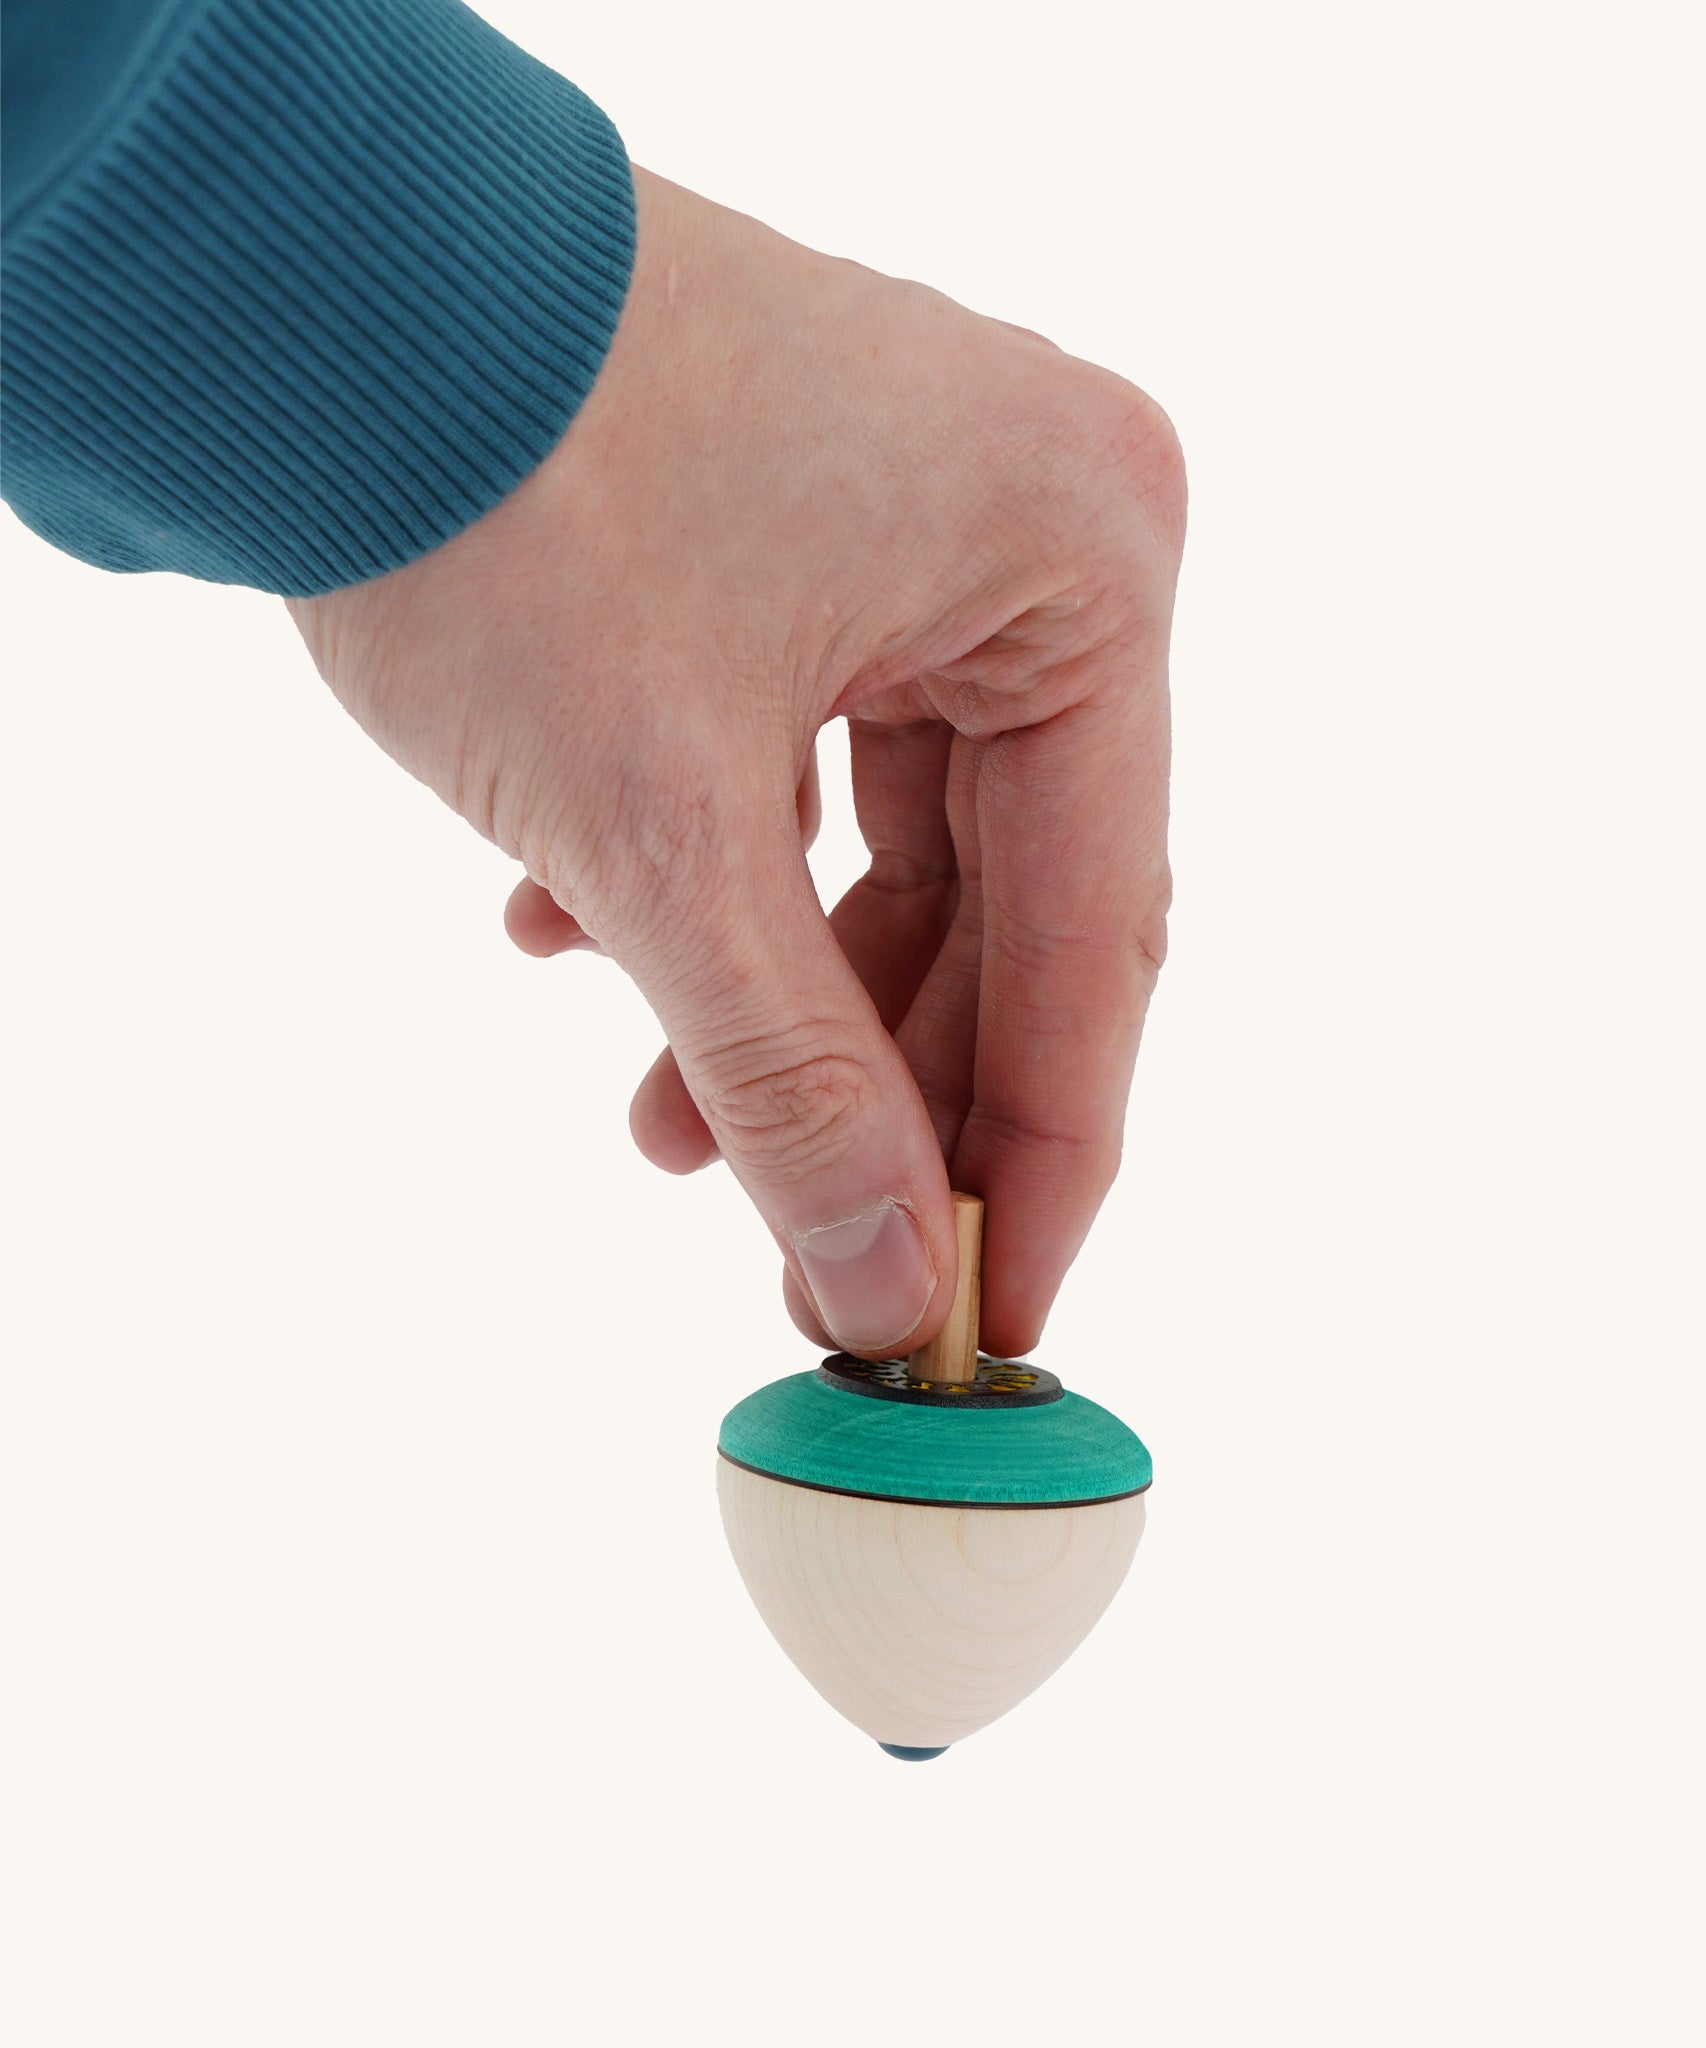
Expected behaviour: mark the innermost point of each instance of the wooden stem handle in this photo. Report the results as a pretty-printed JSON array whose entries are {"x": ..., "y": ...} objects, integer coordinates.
[{"x": 952, "y": 1354}]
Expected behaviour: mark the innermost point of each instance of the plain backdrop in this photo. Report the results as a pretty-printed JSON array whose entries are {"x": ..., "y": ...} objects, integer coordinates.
[{"x": 357, "y": 1690}]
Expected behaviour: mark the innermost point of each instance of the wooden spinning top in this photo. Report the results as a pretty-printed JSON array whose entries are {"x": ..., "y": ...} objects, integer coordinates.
[{"x": 929, "y": 1540}]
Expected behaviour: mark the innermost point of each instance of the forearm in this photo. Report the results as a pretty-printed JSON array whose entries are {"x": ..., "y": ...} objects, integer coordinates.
[{"x": 294, "y": 289}]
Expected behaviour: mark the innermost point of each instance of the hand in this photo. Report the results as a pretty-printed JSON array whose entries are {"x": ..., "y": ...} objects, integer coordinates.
[{"x": 801, "y": 491}]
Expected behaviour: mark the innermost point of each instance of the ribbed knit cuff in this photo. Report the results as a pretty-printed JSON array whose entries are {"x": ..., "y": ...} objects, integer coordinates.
[{"x": 331, "y": 279}]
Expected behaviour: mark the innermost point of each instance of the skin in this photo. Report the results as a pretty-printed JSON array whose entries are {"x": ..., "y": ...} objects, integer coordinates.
[{"x": 801, "y": 491}]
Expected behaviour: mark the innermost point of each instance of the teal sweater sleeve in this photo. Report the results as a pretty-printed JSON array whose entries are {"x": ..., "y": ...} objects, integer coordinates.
[{"x": 293, "y": 289}]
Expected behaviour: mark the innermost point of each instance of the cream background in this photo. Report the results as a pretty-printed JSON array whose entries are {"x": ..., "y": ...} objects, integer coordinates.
[{"x": 356, "y": 1689}]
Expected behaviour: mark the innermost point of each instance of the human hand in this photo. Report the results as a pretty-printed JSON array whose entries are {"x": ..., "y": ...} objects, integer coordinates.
[{"x": 800, "y": 490}]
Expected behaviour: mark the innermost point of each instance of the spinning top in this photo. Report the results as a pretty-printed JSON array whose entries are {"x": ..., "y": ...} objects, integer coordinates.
[{"x": 930, "y": 1539}]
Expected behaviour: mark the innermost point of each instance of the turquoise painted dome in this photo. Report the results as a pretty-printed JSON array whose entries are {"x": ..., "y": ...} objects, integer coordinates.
[{"x": 1059, "y": 1453}]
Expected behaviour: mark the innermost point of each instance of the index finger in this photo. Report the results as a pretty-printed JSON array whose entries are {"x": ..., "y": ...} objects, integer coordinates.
[{"x": 1071, "y": 822}]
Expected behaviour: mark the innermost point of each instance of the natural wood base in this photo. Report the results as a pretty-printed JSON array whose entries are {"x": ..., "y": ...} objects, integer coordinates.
[{"x": 923, "y": 1624}]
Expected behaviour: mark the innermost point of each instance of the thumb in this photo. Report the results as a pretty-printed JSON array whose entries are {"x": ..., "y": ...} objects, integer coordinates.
[{"x": 809, "y": 1100}]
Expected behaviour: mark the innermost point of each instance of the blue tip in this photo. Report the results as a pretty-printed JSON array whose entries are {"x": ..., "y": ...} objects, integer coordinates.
[{"x": 908, "y": 1755}]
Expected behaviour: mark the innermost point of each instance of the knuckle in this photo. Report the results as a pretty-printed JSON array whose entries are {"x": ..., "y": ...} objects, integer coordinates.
[
  {"x": 788, "y": 1107},
  {"x": 1149, "y": 933},
  {"x": 1101, "y": 1157},
  {"x": 1128, "y": 442},
  {"x": 1089, "y": 1159},
  {"x": 1152, "y": 458},
  {"x": 1120, "y": 931}
]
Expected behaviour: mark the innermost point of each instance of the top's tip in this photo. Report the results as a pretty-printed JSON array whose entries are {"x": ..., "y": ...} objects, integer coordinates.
[{"x": 908, "y": 1754}]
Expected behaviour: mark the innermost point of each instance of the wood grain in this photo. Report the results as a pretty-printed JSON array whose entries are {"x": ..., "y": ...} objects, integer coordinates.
[
  {"x": 923, "y": 1624},
  {"x": 952, "y": 1353}
]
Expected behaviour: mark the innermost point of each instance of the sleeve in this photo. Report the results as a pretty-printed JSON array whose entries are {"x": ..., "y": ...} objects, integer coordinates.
[{"x": 293, "y": 289}]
